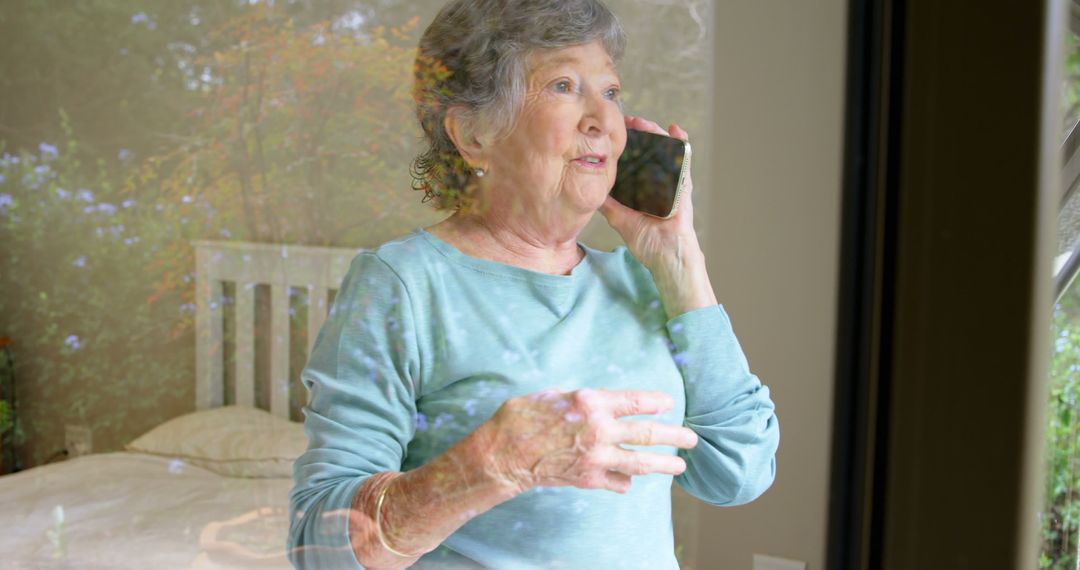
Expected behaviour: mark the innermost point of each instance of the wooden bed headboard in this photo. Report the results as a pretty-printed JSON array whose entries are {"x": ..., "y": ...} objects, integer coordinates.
[{"x": 247, "y": 265}]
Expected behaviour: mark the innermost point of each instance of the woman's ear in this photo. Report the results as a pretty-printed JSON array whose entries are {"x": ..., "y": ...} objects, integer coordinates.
[{"x": 462, "y": 131}]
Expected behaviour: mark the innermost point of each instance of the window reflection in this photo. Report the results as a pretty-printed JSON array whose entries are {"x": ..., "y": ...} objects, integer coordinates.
[
  {"x": 1060, "y": 516},
  {"x": 132, "y": 131}
]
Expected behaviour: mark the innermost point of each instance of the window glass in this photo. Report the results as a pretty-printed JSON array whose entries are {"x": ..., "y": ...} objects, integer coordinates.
[
  {"x": 1060, "y": 517},
  {"x": 1061, "y": 514},
  {"x": 132, "y": 131},
  {"x": 1069, "y": 216}
]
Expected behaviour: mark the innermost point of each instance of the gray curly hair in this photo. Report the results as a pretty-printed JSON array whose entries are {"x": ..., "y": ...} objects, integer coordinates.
[{"x": 474, "y": 55}]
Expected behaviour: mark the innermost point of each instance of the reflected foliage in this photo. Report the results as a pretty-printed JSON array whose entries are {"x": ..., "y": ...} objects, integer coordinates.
[
  {"x": 130, "y": 127},
  {"x": 298, "y": 136},
  {"x": 76, "y": 275},
  {"x": 265, "y": 122},
  {"x": 1060, "y": 519},
  {"x": 11, "y": 433}
]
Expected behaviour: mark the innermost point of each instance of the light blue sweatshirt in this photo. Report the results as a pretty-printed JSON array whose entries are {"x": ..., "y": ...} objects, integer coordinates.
[{"x": 424, "y": 343}]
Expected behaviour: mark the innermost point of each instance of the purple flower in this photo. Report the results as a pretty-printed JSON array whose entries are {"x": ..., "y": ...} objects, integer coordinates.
[
  {"x": 176, "y": 465},
  {"x": 84, "y": 195},
  {"x": 72, "y": 341},
  {"x": 63, "y": 194},
  {"x": 117, "y": 229},
  {"x": 226, "y": 233},
  {"x": 188, "y": 308},
  {"x": 123, "y": 155},
  {"x": 442, "y": 419},
  {"x": 48, "y": 151},
  {"x": 186, "y": 199},
  {"x": 2, "y": 178},
  {"x": 5, "y": 201},
  {"x": 140, "y": 18},
  {"x": 41, "y": 170},
  {"x": 79, "y": 261},
  {"x": 107, "y": 208},
  {"x": 128, "y": 203},
  {"x": 352, "y": 20}
]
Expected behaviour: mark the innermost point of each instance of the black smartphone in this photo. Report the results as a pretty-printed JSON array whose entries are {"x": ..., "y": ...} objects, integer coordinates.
[{"x": 651, "y": 172}]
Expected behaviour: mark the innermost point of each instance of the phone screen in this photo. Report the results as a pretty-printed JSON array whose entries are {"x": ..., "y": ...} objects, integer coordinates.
[{"x": 649, "y": 172}]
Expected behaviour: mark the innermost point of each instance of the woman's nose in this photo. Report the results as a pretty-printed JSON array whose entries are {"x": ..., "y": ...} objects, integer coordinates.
[{"x": 600, "y": 115}]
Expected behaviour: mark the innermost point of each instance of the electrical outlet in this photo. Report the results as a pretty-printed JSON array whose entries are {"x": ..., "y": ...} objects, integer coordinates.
[
  {"x": 762, "y": 562},
  {"x": 77, "y": 440}
]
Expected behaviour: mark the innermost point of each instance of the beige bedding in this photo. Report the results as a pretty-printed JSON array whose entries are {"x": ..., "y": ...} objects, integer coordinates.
[{"x": 134, "y": 510}]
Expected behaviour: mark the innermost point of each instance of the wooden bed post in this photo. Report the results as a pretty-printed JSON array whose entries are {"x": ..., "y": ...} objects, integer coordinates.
[
  {"x": 245, "y": 343},
  {"x": 209, "y": 342},
  {"x": 248, "y": 265}
]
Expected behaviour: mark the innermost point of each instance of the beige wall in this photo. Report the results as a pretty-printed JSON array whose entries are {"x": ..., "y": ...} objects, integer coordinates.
[{"x": 770, "y": 225}]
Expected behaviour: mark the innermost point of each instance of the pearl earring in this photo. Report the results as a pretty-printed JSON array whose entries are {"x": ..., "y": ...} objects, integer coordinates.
[{"x": 480, "y": 172}]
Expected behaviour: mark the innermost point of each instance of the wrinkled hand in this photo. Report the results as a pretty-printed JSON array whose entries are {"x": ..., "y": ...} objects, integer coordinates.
[
  {"x": 650, "y": 239},
  {"x": 557, "y": 438}
]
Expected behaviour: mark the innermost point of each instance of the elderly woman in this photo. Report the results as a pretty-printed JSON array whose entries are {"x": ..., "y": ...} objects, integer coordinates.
[{"x": 473, "y": 393}]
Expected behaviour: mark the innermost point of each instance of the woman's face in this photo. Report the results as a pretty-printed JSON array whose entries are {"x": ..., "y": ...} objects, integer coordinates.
[{"x": 561, "y": 156}]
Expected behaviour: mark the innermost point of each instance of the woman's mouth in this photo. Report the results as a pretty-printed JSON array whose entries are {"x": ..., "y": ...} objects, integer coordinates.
[{"x": 592, "y": 161}]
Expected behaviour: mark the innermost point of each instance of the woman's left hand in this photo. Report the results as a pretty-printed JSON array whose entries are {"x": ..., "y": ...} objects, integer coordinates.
[
  {"x": 652, "y": 240},
  {"x": 668, "y": 248}
]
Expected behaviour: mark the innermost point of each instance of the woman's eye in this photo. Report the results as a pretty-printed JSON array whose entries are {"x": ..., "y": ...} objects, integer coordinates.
[
  {"x": 562, "y": 86},
  {"x": 612, "y": 93}
]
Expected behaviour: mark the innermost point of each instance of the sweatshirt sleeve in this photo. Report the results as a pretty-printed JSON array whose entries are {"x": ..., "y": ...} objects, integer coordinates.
[
  {"x": 734, "y": 461},
  {"x": 362, "y": 379}
]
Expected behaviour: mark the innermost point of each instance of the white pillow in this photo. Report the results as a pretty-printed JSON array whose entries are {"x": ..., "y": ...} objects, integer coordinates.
[{"x": 234, "y": 441}]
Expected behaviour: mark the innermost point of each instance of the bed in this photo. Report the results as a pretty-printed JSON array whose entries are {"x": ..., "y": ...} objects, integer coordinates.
[{"x": 208, "y": 489}]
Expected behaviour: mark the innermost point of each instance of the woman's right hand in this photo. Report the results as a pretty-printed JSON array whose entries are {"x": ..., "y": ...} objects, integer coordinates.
[{"x": 557, "y": 438}]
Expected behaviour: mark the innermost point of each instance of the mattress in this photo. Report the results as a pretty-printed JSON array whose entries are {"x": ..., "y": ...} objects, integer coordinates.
[{"x": 134, "y": 510}]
